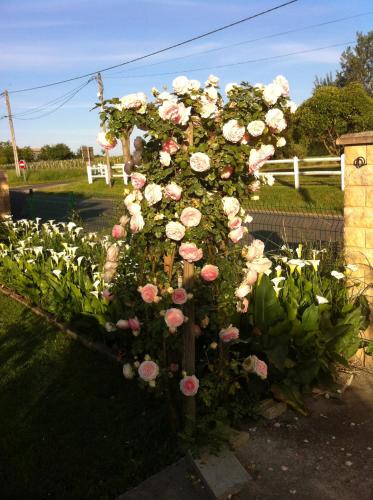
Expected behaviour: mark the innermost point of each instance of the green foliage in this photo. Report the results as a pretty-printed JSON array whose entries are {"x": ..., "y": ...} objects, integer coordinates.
[
  {"x": 55, "y": 152},
  {"x": 331, "y": 112}
]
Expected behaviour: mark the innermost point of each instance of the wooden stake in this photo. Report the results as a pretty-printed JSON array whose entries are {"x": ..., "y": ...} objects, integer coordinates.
[
  {"x": 101, "y": 97},
  {"x": 189, "y": 355},
  {"x": 125, "y": 139},
  {"x": 12, "y": 134}
]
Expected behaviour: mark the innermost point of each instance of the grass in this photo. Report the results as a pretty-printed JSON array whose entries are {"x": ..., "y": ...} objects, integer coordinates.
[
  {"x": 45, "y": 176},
  {"x": 71, "y": 426},
  {"x": 319, "y": 191}
]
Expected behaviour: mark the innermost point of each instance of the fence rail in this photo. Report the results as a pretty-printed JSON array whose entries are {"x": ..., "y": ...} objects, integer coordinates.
[{"x": 296, "y": 172}]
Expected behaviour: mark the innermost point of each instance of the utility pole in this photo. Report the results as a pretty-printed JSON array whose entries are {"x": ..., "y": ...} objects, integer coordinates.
[
  {"x": 12, "y": 134},
  {"x": 100, "y": 95}
]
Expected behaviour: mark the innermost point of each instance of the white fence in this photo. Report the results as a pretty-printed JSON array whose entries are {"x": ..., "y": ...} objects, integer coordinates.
[
  {"x": 297, "y": 173},
  {"x": 100, "y": 171}
]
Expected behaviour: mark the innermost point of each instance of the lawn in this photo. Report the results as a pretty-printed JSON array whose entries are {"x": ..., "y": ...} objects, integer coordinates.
[
  {"x": 71, "y": 426},
  {"x": 319, "y": 191}
]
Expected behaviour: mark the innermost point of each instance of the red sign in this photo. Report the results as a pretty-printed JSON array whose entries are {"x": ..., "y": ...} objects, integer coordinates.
[{"x": 22, "y": 164}]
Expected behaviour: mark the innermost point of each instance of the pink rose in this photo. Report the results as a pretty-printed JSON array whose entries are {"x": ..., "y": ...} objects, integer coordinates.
[
  {"x": 189, "y": 385},
  {"x": 118, "y": 231},
  {"x": 107, "y": 295},
  {"x": 251, "y": 277},
  {"x": 226, "y": 172},
  {"x": 236, "y": 234},
  {"x": 190, "y": 217},
  {"x": 148, "y": 293},
  {"x": 104, "y": 142},
  {"x": 258, "y": 157},
  {"x": 177, "y": 113},
  {"x": 134, "y": 324},
  {"x": 228, "y": 334},
  {"x": 253, "y": 364},
  {"x": 196, "y": 330},
  {"x": 138, "y": 180},
  {"x": 170, "y": 146},
  {"x": 175, "y": 231},
  {"x": 190, "y": 252},
  {"x": 234, "y": 222},
  {"x": 209, "y": 272},
  {"x": 122, "y": 324},
  {"x": 173, "y": 191},
  {"x": 148, "y": 370},
  {"x": 179, "y": 296},
  {"x": 136, "y": 223},
  {"x": 174, "y": 317}
]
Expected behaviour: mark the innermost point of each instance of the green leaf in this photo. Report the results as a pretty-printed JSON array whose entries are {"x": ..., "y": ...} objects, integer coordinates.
[
  {"x": 310, "y": 318},
  {"x": 267, "y": 308}
]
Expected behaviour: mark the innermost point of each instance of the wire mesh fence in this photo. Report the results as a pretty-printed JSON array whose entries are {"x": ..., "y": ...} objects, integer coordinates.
[{"x": 278, "y": 225}]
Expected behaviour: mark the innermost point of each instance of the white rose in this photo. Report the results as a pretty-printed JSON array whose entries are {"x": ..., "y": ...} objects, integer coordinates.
[
  {"x": 281, "y": 141},
  {"x": 208, "y": 108},
  {"x": 153, "y": 193},
  {"x": 271, "y": 93},
  {"x": 260, "y": 265},
  {"x": 129, "y": 199},
  {"x": 270, "y": 179},
  {"x": 231, "y": 206},
  {"x": 242, "y": 291},
  {"x": 212, "y": 81},
  {"x": 177, "y": 113},
  {"x": 256, "y": 128},
  {"x": 232, "y": 131},
  {"x": 166, "y": 96},
  {"x": 181, "y": 85},
  {"x": 230, "y": 86},
  {"x": 211, "y": 93},
  {"x": 133, "y": 101},
  {"x": 165, "y": 158},
  {"x": 175, "y": 231},
  {"x": 199, "y": 162},
  {"x": 275, "y": 120},
  {"x": 291, "y": 106},
  {"x": 134, "y": 208},
  {"x": 194, "y": 84},
  {"x": 283, "y": 83},
  {"x": 127, "y": 371}
]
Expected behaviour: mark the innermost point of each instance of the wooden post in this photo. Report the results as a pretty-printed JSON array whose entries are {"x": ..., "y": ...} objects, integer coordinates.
[
  {"x": 189, "y": 355},
  {"x": 101, "y": 97},
  {"x": 12, "y": 134},
  {"x": 125, "y": 140},
  {"x": 4, "y": 195}
]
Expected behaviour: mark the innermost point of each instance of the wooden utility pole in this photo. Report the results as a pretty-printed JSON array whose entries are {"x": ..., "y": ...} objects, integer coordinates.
[
  {"x": 12, "y": 134},
  {"x": 101, "y": 98}
]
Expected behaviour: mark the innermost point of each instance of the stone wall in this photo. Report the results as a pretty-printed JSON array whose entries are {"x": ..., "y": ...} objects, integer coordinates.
[
  {"x": 4, "y": 195},
  {"x": 358, "y": 210}
]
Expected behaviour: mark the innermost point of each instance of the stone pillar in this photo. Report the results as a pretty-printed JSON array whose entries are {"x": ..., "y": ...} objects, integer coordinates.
[
  {"x": 4, "y": 195},
  {"x": 358, "y": 211}
]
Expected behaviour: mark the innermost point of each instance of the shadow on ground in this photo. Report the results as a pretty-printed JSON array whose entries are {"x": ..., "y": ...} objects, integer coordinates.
[{"x": 71, "y": 426}]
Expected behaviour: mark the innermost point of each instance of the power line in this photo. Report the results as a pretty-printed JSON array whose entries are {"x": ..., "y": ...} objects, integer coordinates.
[
  {"x": 57, "y": 107},
  {"x": 145, "y": 56},
  {"x": 218, "y": 66},
  {"x": 48, "y": 104},
  {"x": 281, "y": 33}
]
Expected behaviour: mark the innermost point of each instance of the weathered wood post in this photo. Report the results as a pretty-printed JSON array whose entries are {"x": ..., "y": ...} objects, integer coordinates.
[
  {"x": 4, "y": 195},
  {"x": 189, "y": 356},
  {"x": 358, "y": 212}
]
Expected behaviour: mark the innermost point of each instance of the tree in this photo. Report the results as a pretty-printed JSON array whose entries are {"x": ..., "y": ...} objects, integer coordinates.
[
  {"x": 357, "y": 63},
  {"x": 56, "y": 152},
  {"x": 6, "y": 153},
  {"x": 356, "y": 66},
  {"x": 332, "y": 111}
]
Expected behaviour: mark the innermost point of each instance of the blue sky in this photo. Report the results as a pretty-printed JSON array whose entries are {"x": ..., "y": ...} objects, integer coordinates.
[{"x": 42, "y": 41}]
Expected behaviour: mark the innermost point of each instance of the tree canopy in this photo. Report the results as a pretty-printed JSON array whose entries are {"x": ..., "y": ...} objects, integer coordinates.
[
  {"x": 56, "y": 152},
  {"x": 332, "y": 111}
]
